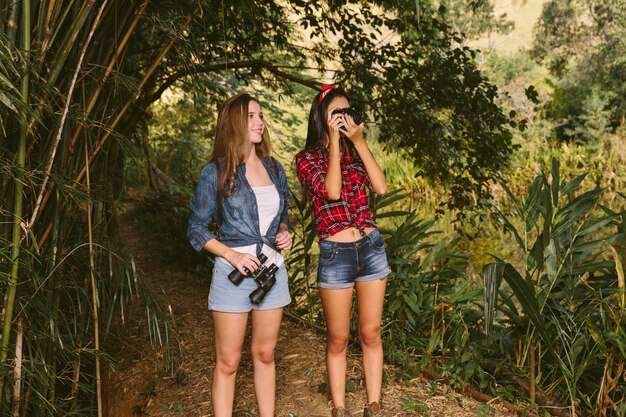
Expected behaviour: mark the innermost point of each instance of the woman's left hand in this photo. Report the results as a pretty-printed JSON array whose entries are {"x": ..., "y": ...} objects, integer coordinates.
[
  {"x": 283, "y": 240},
  {"x": 352, "y": 131}
]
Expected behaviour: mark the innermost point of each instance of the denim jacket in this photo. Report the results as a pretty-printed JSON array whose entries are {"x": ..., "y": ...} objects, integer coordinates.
[{"x": 240, "y": 225}]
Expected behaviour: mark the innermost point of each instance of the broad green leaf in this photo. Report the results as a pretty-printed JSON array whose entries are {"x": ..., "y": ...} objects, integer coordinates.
[
  {"x": 575, "y": 210},
  {"x": 518, "y": 205},
  {"x": 525, "y": 294},
  {"x": 572, "y": 185},
  {"x": 533, "y": 204},
  {"x": 492, "y": 274},
  {"x": 555, "y": 185}
]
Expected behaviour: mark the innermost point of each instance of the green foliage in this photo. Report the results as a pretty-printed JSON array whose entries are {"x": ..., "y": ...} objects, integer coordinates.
[
  {"x": 447, "y": 143},
  {"x": 302, "y": 261},
  {"x": 504, "y": 69},
  {"x": 410, "y": 403},
  {"x": 472, "y": 18},
  {"x": 485, "y": 410},
  {"x": 582, "y": 43},
  {"x": 165, "y": 216},
  {"x": 567, "y": 297},
  {"x": 581, "y": 111}
]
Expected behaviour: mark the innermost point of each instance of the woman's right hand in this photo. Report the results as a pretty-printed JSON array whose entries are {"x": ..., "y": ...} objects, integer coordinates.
[
  {"x": 336, "y": 123},
  {"x": 243, "y": 260}
]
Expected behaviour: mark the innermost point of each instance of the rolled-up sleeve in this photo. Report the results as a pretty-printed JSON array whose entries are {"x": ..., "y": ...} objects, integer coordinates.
[
  {"x": 203, "y": 209},
  {"x": 284, "y": 190},
  {"x": 311, "y": 175}
]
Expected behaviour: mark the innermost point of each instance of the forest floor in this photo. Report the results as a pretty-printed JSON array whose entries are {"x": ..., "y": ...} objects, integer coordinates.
[{"x": 141, "y": 386}]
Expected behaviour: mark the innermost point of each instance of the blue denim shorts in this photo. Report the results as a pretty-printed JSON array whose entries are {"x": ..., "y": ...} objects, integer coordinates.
[
  {"x": 227, "y": 297},
  {"x": 341, "y": 264}
]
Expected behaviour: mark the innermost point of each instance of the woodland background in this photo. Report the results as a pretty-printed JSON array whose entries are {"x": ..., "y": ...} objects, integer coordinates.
[{"x": 500, "y": 125}]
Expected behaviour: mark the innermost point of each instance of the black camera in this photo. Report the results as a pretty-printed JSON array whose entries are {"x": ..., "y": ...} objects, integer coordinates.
[
  {"x": 264, "y": 276},
  {"x": 357, "y": 116}
]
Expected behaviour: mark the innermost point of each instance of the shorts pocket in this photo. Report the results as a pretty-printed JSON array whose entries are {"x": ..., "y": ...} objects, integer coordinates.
[
  {"x": 377, "y": 242},
  {"x": 327, "y": 255}
]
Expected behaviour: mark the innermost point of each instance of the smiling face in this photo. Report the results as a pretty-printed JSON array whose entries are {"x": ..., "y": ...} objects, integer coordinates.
[{"x": 256, "y": 124}]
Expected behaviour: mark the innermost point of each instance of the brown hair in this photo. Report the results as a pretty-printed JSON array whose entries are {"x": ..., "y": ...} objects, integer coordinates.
[{"x": 231, "y": 137}]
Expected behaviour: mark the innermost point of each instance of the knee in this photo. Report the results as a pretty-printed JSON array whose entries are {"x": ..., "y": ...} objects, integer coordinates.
[
  {"x": 227, "y": 364},
  {"x": 370, "y": 335},
  {"x": 263, "y": 354},
  {"x": 336, "y": 343}
]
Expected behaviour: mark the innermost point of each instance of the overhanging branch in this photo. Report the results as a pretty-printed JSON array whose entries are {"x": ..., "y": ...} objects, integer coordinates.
[{"x": 200, "y": 69}]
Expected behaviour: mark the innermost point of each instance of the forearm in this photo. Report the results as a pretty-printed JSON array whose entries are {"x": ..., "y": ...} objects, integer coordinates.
[
  {"x": 283, "y": 227},
  {"x": 217, "y": 248},
  {"x": 376, "y": 174},
  {"x": 333, "y": 175}
]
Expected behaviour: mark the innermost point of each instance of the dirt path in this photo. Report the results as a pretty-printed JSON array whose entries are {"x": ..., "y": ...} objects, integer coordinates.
[{"x": 141, "y": 387}]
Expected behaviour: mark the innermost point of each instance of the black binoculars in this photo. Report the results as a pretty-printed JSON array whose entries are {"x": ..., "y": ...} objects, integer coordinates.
[{"x": 264, "y": 276}]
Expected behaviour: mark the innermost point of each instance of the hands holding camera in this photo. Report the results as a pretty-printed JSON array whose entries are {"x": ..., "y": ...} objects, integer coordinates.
[{"x": 346, "y": 121}]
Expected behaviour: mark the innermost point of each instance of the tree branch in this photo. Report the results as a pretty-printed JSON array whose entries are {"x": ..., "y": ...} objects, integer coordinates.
[{"x": 200, "y": 69}]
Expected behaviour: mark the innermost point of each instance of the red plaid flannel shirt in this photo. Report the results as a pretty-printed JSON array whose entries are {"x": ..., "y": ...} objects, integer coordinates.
[{"x": 352, "y": 209}]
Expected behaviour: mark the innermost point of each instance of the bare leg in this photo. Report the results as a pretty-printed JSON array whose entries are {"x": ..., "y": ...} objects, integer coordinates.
[
  {"x": 370, "y": 299},
  {"x": 337, "y": 304},
  {"x": 230, "y": 330},
  {"x": 265, "y": 329}
]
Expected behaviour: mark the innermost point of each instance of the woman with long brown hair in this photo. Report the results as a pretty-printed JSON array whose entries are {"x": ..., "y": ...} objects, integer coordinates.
[
  {"x": 244, "y": 190},
  {"x": 337, "y": 169}
]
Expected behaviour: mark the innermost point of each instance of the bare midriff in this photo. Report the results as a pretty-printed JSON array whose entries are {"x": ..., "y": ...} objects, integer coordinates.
[{"x": 351, "y": 234}]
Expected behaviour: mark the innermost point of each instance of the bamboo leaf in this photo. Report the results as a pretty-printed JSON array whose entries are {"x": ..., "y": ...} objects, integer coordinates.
[
  {"x": 525, "y": 294},
  {"x": 575, "y": 210},
  {"x": 572, "y": 185},
  {"x": 555, "y": 185},
  {"x": 518, "y": 205},
  {"x": 394, "y": 213},
  {"x": 5, "y": 100},
  {"x": 594, "y": 225},
  {"x": 492, "y": 274},
  {"x": 619, "y": 268},
  {"x": 532, "y": 205}
]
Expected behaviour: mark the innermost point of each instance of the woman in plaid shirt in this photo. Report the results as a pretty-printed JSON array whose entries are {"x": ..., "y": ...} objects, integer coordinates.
[{"x": 337, "y": 169}]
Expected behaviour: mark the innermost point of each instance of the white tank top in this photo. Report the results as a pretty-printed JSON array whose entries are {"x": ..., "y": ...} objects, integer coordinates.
[{"x": 268, "y": 203}]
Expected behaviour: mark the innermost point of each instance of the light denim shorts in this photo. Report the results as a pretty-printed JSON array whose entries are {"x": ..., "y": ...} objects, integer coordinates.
[
  {"x": 227, "y": 297},
  {"x": 341, "y": 264}
]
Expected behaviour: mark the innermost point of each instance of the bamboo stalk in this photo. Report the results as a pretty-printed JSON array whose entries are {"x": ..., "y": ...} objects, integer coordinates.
[
  {"x": 133, "y": 99},
  {"x": 18, "y": 202},
  {"x": 531, "y": 365},
  {"x": 66, "y": 108},
  {"x": 94, "y": 289},
  {"x": 76, "y": 375},
  {"x": 46, "y": 41},
  {"x": 68, "y": 42},
  {"x": 95, "y": 96},
  {"x": 107, "y": 72},
  {"x": 43, "y": 6},
  {"x": 17, "y": 369},
  {"x": 12, "y": 21}
]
